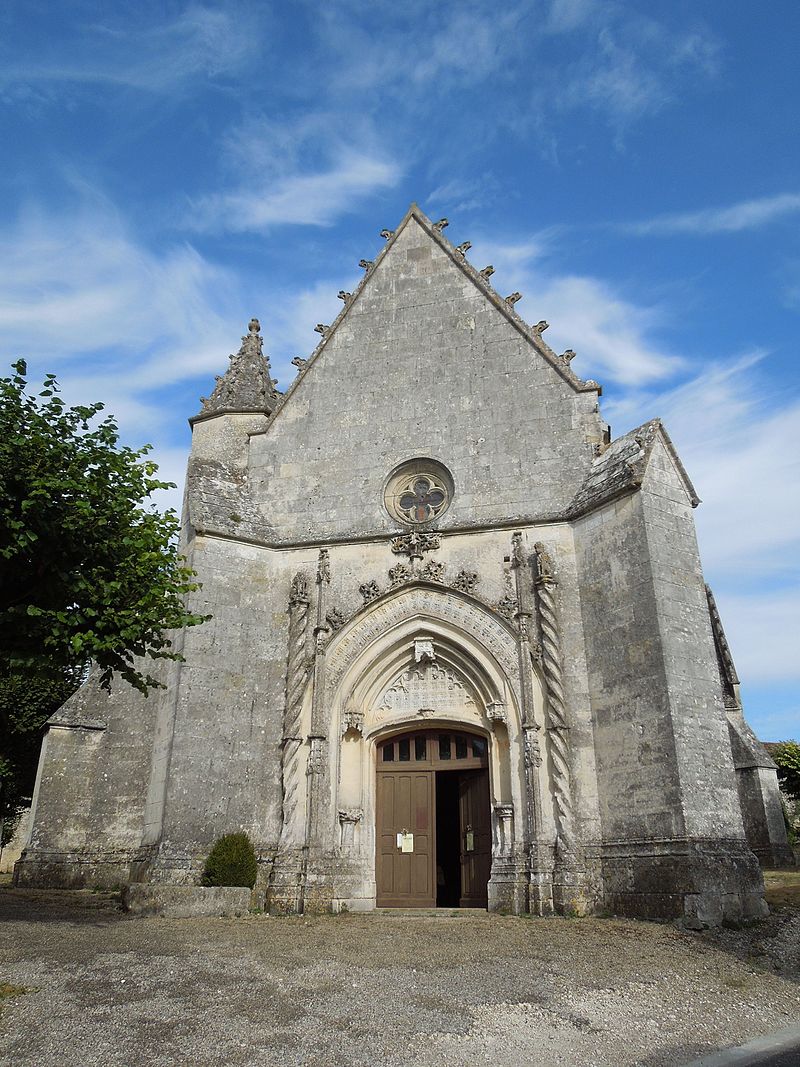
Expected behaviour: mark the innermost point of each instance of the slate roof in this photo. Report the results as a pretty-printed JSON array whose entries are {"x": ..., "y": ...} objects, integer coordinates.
[{"x": 621, "y": 468}]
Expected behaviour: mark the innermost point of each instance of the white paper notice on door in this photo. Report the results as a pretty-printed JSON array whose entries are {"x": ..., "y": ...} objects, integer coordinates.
[{"x": 406, "y": 842}]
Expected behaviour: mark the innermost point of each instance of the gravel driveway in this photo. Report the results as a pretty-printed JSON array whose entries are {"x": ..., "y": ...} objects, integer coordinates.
[{"x": 105, "y": 990}]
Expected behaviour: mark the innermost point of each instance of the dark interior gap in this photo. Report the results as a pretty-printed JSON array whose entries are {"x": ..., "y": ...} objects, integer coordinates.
[{"x": 448, "y": 838}]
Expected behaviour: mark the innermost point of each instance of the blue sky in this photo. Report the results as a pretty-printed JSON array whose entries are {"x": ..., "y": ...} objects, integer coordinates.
[{"x": 172, "y": 169}]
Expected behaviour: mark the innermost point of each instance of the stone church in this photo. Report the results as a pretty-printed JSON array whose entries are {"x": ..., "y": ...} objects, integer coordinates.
[{"x": 460, "y": 653}]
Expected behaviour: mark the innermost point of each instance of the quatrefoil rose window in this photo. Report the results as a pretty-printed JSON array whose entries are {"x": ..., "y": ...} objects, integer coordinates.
[{"x": 419, "y": 492}]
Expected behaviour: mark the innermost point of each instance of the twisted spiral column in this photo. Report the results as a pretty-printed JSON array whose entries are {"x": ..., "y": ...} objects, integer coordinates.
[
  {"x": 557, "y": 722},
  {"x": 296, "y": 675}
]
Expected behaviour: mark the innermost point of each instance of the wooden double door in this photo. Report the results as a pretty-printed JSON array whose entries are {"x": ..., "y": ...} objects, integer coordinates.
[{"x": 434, "y": 840}]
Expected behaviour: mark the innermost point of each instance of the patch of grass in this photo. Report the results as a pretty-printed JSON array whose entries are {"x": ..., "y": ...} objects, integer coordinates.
[{"x": 782, "y": 888}]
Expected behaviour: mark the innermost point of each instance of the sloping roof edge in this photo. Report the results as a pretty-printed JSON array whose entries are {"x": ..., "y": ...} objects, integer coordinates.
[
  {"x": 622, "y": 466},
  {"x": 482, "y": 284}
]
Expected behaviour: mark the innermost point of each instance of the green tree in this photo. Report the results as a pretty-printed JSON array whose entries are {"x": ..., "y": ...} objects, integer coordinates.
[
  {"x": 88, "y": 571},
  {"x": 787, "y": 756}
]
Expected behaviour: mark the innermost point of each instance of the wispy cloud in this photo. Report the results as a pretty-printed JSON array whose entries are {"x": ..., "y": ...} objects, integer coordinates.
[
  {"x": 200, "y": 42},
  {"x": 738, "y": 441},
  {"x": 612, "y": 335},
  {"x": 316, "y": 198},
  {"x": 746, "y": 215}
]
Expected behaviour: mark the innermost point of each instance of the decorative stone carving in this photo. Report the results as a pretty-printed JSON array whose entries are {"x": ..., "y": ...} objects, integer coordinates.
[
  {"x": 465, "y": 581},
  {"x": 399, "y": 575},
  {"x": 557, "y": 724},
  {"x": 441, "y": 224},
  {"x": 349, "y": 818},
  {"x": 541, "y": 326},
  {"x": 415, "y": 544},
  {"x": 335, "y": 619},
  {"x": 424, "y": 651},
  {"x": 496, "y": 713},
  {"x": 533, "y": 754},
  {"x": 504, "y": 823},
  {"x": 462, "y": 249},
  {"x": 430, "y": 602},
  {"x": 545, "y": 568},
  {"x": 321, "y": 328},
  {"x": 316, "y": 756},
  {"x": 433, "y": 571},
  {"x": 512, "y": 298},
  {"x": 386, "y": 234},
  {"x": 352, "y": 720},
  {"x": 370, "y": 591},
  {"x": 508, "y": 604},
  {"x": 298, "y": 593},
  {"x": 568, "y": 355},
  {"x": 299, "y": 362},
  {"x": 296, "y": 677},
  {"x": 365, "y": 264},
  {"x": 343, "y": 295},
  {"x": 487, "y": 272},
  {"x": 426, "y": 687},
  {"x": 247, "y": 384}
]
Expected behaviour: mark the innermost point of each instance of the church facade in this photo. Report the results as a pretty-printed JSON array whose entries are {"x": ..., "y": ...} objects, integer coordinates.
[{"x": 460, "y": 652}]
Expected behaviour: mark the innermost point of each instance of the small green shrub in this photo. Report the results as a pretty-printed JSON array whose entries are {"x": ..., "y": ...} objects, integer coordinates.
[{"x": 232, "y": 861}]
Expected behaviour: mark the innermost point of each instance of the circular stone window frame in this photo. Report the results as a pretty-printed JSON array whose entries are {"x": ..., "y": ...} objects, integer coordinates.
[{"x": 399, "y": 482}]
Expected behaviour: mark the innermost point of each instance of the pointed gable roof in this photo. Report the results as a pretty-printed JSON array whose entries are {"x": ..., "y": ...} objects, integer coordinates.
[
  {"x": 481, "y": 281},
  {"x": 621, "y": 468},
  {"x": 247, "y": 386}
]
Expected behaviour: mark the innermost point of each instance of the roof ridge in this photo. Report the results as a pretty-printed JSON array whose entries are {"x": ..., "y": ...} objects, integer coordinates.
[{"x": 434, "y": 231}]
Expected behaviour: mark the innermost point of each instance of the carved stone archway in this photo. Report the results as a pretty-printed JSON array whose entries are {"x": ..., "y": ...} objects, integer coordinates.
[{"x": 419, "y": 656}]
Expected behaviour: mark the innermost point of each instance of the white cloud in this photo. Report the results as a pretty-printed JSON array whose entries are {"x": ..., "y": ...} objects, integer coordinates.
[
  {"x": 763, "y": 631},
  {"x": 611, "y": 334},
  {"x": 746, "y": 215},
  {"x": 312, "y": 199},
  {"x": 738, "y": 442},
  {"x": 201, "y": 42}
]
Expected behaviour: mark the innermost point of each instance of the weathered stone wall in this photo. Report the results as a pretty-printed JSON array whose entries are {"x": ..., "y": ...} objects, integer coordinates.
[
  {"x": 637, "y": 774},
  {"x": 88, "y": 807},
  {"x": 422, "y": 365}
]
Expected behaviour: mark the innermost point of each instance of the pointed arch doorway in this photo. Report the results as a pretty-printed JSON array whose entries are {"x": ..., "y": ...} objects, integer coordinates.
[{"x": 433, "y": 820}]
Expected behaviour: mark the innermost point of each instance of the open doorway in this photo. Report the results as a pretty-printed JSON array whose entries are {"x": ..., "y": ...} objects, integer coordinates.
[
  {"x": 448, "y": 845},
  {"x": 433, "y": 820}
]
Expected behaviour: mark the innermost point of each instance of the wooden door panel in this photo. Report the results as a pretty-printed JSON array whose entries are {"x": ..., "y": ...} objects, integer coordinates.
[
  {"x": 405, "y": 803},
  {"x": 475, "y": 813}
]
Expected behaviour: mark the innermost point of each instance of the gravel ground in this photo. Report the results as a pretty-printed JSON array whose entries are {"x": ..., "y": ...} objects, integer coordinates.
[{"x": 105, "y": 990}]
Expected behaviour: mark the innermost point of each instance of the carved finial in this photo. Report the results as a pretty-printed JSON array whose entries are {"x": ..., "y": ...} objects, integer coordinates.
[
  {"x": 487, "y": 272},
  {"x": 343, "y": 295},
  {"x": 568, "y": 355},
  {"x": 321, "y": 328},
  {"x": 386, "y": 234},
  {"x": 541, "y": 326},
  {"x": 247, "y": 384},
  {"x": 298, "y": 593},
  {"x": 513, "y": 298},
  {"x": 517, "y": 557},
  {"x": 462, "y": 249},
  {"x": 365, "y": 264},
  {"x": 441, "y": 224},
  {"x": 544, "y": 564},
  {"x": 299, "y": 362},
  {"x": 323, "y": 567}
]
